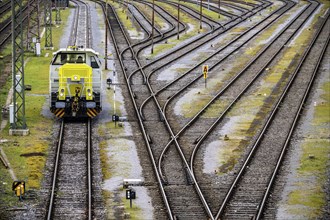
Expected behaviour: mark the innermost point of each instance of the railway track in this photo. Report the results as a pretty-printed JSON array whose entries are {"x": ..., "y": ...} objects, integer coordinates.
[
  {"x": 76, "y": 186},
  {"x": 248, "y": 194},
  {"x": 181, "y": 177},
  {"x": 112, "y": 21},
  {"x": 175, "y": 144},
  {"x": 193, "y": 132},
  {"x": 189, "y": 136},
  {"x": 5, "y": 26},
  {"x": 81, "y": 31},
  {"x": 162, "y": 62},
  {"x": 4, "y": 7},
  {"x": 71, "y": 194},
  {"x": 188, "y": 189}
]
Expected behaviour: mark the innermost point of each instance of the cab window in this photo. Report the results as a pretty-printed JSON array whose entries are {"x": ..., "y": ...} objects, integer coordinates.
[
  {"x": 94, "y": 63},
  {"x": 63, "y": 58}
]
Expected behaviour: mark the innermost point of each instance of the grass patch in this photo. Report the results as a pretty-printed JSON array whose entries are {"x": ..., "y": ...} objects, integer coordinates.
[
  {"x": 40, "y": 80},
  {"x": 7, "y": 15},
  {"x": 147, "y": 11},
  {"x": 172, "y": 42},
  {"x": 36, "y": 143},
  {"x": 105, "y": 160},
  {"x": 135, "y": 211},
  {"x": 30, "y": 168},
  {"x": 205, "y": 12},
  {"x": 104, "y": 132},
  {"x": 199, "y": 101},
  {"x": 323, "y": 109},
  {"x": 216, "y": 109},
  {"x": 313, "y": 169},
  {"x": 229, "y": 155},
  {"x": 123, "y": 15},
  {"x": 310, "y": 193}
]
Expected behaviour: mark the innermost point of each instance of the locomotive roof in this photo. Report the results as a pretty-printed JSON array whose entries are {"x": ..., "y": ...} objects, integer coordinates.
[{"x": 76, "y": 50}]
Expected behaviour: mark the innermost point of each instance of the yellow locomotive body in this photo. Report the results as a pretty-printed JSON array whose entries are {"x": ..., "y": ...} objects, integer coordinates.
[{"x": 75, "y": 83}]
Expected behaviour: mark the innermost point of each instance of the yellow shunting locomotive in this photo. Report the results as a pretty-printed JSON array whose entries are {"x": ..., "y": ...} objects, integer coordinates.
[{"x": 75, "y": 83}]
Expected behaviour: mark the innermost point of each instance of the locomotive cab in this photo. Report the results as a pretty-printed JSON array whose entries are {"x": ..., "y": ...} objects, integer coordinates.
[{"x": 75, "y": 83}]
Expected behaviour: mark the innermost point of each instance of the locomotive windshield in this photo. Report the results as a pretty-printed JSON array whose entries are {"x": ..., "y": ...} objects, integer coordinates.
[{"x": 62, "y": 58}]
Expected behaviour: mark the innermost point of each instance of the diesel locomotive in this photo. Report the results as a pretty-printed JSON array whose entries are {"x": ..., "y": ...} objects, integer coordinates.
[{"x": 75, "y": 83}]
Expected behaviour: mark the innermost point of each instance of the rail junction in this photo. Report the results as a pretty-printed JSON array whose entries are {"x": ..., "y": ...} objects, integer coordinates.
[{"x": 241, "y": 119}]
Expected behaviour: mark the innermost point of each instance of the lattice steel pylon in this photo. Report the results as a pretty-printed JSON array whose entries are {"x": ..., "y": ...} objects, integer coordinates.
[
  {"x": 48, "y": 24},
  {"x": 58, "y": 12},
  {"x": 33, "y": 32},
  {"x": 18, "y": 120}
]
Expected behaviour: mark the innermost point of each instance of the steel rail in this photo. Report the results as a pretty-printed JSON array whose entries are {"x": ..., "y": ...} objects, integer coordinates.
[
  {"x": 89, "y": 40},
  {"x": 8, "y": 25},
  {"x": 173, "y": 27},
  {"x": 223, "y": 12},
  {"x": 227, "y": 85},
  {"x": 173, "y": 52},
  {"x": 160, "y": 34},
  {"x": 250, "y": 155},
  {"x": 89, "y": 167},
  {"x": 163, "y": 65},
  {"x": 75, "y": 27},
  {"x": 162, "y": 191},
  {"x": 56, "y": 165},
  {"x": 207, "y": 209},
  {"x": 128, "y": 41},
  {"x": 73, "y": 36},
  {"x": 50, "y": 211},
  {"x": 162, "y": 37},
  {"x": 298, "y": 115},
  {"x": 4, "y": 7},
  {"x": 88, "y": 35},
  {"x": 73, "y": 39}
]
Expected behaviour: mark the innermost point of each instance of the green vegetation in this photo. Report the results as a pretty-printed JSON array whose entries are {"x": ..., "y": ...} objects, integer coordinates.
[
  {"x": 123, "y": 16},
  {"x": 27, "y": 154},
  {"x": 255, "y": 106},
  {"x": 209, "y": 13},
  {"x": 8, "y": 14},
  {"x": 314, "y": 162},
  {"x": 194, "y": 26},
  {"x": 29, "y": 168},
  {"x": 147, "y": 11},
  {"x": 135, "y": 211}
]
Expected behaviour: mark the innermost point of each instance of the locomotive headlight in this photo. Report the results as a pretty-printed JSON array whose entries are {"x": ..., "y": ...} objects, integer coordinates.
[
  {"x": 89, "y": 92},
  {"x": 62, "y": 94},
  {"x": 75, "y": 77}
]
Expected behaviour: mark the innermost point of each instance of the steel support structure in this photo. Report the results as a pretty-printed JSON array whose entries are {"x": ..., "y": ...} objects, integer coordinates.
[
  {"x": 18, "y": 121},
  {"x": 48, "y": 24},
  {"x": 200, "y": 18},
  {"x": 58, "y": 12},
  {"x": 153, "y": 27},
  {"x": 61, "y": 4},
  {"x": 106, "y": 36},
  {"x": 178, "y": 35},
  {"x": 33, "y": 32}
]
